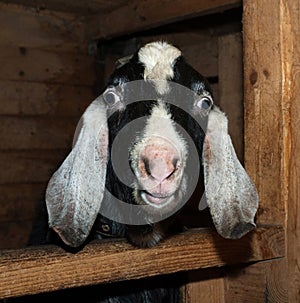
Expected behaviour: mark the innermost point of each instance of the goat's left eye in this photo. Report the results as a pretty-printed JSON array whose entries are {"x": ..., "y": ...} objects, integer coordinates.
[
  {"x": 111, "y": 97},
  {"x": 205, "y": 103}
]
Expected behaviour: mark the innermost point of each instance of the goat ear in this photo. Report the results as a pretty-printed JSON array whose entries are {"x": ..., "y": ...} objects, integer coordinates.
[
  {"x": 230, "y": 193},
  {"x": 75, "y": 191}
]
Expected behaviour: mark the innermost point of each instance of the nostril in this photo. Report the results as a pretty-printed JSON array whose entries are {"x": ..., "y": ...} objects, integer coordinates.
[
  {"x": 158, "y": 169},
  {"x": 172, "y": 173},
  {"x": 175, "y": 163},
  {"x": 146, "y": 166}
]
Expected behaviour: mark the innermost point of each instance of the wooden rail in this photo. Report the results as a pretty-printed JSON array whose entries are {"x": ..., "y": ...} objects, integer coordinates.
[
  {"x": 141, "y": 15},
  {"x": 48, "y": 268}
]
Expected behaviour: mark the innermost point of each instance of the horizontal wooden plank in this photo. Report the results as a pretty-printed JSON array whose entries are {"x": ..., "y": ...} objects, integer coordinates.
[
  {"x": 35, "y": 99},
  {"x": 15, "y": 235},
  {"x": 80, "y": 7},
  {"x": 24, "y": 27},
  {"x": 36, "y": 133},
  {"x": 34, "y": 270},
  {"x": 18, "y": 202},
  {"x": 27, "y": 64},
  {"x": 141, "y": 15},
  {"x": 29, "y": 166}
]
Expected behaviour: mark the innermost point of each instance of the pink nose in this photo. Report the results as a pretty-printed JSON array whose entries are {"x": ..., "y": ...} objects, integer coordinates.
[
  {"x": 158, "y": 161},
  {"x": 160, "y": 169}
]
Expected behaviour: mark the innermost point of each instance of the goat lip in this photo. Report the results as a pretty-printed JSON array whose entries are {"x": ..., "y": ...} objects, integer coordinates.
[{"x": 152, "y": 199}]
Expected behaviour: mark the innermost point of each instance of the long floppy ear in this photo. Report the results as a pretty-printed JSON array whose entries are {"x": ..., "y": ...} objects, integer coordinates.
[
  {"x": 230, "y": 193},
  {"x": 75, "y": 191}
]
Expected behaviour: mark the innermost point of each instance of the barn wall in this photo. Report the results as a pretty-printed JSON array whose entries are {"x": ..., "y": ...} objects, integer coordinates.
[{"x": 46, "y": 82}]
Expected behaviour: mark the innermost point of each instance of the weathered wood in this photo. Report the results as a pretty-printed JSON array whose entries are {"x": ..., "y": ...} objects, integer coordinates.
[
  {"x": 141, "y": 15},
  {"x": 231, "y": 87},
  {"x": 24, "y": 27},
  {"x": 36, "y": 99},
  {"x": 260, "y": 282},
  {"x": 271, "y": 37},
  {"x": 36, "y": 133},
  {"x": 29, "y": 166},
  {"x": 205, "y": 286},
  {"x": 14, "y": 234},
  {"x": 18, "y": 202},
  {"x": 80, "y": 7},
  {"x": 246, "y": 284},
  {"x": 35, "y": 270},
  {"x": 27, "y": 64},
  {"x": 266, "y": 107},
  {"x": 291, "y": 63}
]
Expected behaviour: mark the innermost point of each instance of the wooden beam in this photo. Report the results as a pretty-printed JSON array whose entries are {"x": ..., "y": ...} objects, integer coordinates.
[
  {"x": 40, "y": 269},
  {"x": 266, "y": 105},
  {"x": 142, "y": 15},
  {"x": 41, "y": 29}
]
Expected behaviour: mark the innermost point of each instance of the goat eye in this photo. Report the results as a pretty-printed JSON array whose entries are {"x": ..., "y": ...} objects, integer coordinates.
[
  {"x": 110, "y": 97},
  {"x": 205, "y": 103}
]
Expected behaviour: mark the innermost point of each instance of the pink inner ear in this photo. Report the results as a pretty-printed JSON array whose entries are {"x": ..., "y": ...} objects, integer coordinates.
[
  {"x": 59, "y": 232},
  {"x": 206, "y": 148}
]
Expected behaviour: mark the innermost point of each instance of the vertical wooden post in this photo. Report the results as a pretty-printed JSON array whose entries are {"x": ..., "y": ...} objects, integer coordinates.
[
  {"x": 265, "y": 106},
  {"x": 291, "y": 63},
  {"x": 272, "y": 142}
]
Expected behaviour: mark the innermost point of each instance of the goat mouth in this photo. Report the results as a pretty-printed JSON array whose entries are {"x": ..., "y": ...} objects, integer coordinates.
[{"x": 155, "y": 200}]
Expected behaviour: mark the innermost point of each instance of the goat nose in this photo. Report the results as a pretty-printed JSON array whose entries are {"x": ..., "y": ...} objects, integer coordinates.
[{"x": 160, "y": 169}]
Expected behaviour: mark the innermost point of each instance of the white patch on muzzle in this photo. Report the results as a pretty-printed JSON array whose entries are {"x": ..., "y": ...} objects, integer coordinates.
[{"x": 160, "y": 130}]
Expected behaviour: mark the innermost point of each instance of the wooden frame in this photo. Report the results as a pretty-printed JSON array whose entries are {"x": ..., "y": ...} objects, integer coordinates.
[
  {"x": 272, "y": 145},
  {"x": 34, "y": 270}
]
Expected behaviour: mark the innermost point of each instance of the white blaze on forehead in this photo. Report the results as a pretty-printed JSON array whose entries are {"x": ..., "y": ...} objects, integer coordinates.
[{"x": 158, "y": 59}]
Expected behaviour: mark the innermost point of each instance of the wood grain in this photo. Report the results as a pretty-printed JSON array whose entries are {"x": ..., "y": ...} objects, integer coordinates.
[
  {"x": 290, "y": 11},
  {"x": 272, "y": 127},
  {"x": 24, "y": 27},
  {"x": 230, "y": 63},
  {"x": 19, "y": 98},
  {"x": 80, "y": 7},
  {"x": 19, "y": 201},
  {"x": 29, "y": 166},
  {"x": 205, "y": 285},
  {"x": 35, "y": 270},
  {"x": 29, "y": 64},
  {"x": 141, "y": 15},
  {"x": 36, "y": 133},
  {"x": 265, "y": 108},
  {"x": 14, "y": 234}
]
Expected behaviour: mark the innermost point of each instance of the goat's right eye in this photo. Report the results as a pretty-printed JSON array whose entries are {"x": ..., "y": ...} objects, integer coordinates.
[
  {"x": 110, "y": 97},
  {"x": 205, "y": 103}
]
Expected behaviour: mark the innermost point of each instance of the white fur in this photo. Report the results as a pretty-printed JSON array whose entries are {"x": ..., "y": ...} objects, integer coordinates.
[
  {"x": 158, "y": 59},
  {"x": 160, "y": 124}
]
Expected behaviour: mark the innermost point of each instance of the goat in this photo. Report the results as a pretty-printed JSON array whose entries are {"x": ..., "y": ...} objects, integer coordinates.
[
  {"x": 170, "y": 130},
  {"x": 159, "y": 155}
]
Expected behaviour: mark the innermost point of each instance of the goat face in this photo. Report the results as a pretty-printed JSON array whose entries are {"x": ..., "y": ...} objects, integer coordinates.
[{"x": 176, "y": 105}]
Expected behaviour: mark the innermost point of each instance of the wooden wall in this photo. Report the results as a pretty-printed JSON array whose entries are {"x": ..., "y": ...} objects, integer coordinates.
[
  {"x": 40, "y": 95},
  {"x": 46, "y": 81}
]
